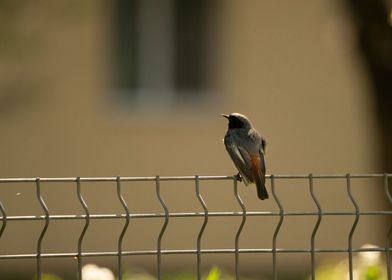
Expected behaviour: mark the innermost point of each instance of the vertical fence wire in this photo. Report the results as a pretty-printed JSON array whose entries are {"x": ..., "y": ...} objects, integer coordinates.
[
  {"x": 354, "y": 226},
  {"x": 44, "y": 229},
  {"x": 388, "y": 237},
  {"x": 200, "y": 235},
  {"x": 316, "y": 226},
  {"x": 86, "y": 225},
  {"x": 239, "y": 231},
  {"x": 124, "y": 230},
  {"x": 4, "y": 219},
  {"x": 277, "y": 229},
  {"x": 163, "y": 229}
]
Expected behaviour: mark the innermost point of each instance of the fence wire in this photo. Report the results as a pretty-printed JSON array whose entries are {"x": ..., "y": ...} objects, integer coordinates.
[{"x": 128, "y": 216}]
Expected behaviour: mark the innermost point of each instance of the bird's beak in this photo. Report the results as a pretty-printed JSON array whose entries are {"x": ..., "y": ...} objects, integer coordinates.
[{"x": 225, "y": 116}]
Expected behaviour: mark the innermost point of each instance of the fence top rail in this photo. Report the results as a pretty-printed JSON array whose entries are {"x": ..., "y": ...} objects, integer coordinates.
[{"x": 193, "y": 177}]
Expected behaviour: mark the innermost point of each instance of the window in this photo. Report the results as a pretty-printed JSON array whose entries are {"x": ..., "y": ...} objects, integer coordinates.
[{"x": 161, "y": 53}]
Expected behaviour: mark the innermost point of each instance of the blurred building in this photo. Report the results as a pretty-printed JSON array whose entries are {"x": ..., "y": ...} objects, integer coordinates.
[{"x": 136, "y": 88}]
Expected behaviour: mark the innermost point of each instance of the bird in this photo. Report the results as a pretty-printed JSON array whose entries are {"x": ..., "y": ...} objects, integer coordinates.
[{"x": 246, "y": 148}]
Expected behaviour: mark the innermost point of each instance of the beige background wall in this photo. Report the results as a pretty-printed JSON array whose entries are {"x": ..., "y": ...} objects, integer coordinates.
[{"x": 292, "y": 69}]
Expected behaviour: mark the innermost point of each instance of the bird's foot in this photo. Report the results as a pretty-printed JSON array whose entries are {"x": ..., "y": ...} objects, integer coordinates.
[{"x": 238, "y": 177}]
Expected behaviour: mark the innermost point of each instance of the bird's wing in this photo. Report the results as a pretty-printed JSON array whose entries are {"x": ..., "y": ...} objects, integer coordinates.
[{"x": 242, "y": 161}]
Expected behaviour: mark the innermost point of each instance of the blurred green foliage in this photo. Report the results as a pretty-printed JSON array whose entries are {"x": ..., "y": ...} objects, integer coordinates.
[
  {"x": 367, "y": 265},
  {"x": 214, "y": 274},
  {"x": 47, "y": 276}
]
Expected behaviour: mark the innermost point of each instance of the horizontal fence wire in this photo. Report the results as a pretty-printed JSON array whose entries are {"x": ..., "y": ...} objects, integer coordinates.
[{"x": 127, "y": 216}]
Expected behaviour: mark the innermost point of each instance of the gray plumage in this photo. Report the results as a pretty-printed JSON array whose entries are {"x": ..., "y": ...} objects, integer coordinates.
[{"x": 246, "y": 148}]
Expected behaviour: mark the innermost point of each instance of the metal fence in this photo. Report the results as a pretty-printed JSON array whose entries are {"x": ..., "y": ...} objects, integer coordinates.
[{"x": 127, "y": 216}]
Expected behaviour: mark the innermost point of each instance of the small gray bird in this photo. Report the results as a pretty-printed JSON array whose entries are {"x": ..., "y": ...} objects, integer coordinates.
[{"x": 246, "y": 148}]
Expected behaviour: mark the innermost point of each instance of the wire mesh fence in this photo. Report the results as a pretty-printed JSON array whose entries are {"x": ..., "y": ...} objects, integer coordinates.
[{"x": 166, "y": 216}]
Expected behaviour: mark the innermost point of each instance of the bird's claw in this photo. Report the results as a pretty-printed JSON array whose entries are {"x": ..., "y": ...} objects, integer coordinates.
[{"x": 238, "y": 177}]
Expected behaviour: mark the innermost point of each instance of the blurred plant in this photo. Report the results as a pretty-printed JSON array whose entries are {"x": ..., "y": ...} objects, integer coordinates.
[
  {"x": 94, "y": 272},
  {"x": 214, "y": 274},
  {"x": 47, "y": 276},
  {"x": 367, "y": 266}
]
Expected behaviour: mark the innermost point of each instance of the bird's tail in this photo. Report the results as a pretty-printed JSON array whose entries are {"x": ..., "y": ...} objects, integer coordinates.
[{"x": 260, "y": 185}]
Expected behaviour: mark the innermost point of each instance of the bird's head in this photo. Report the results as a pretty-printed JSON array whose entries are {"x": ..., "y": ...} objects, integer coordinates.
[{"x": 237, "y": 120}]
